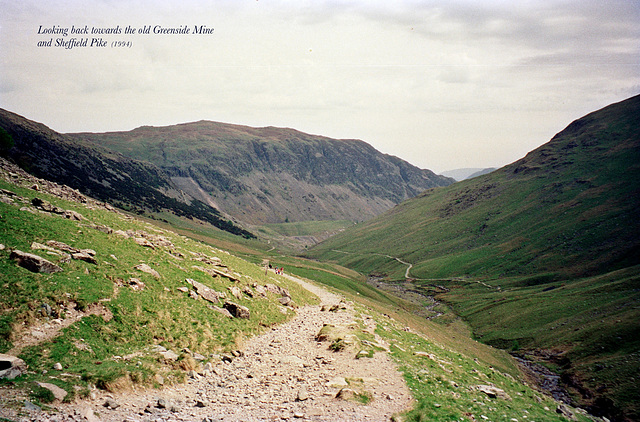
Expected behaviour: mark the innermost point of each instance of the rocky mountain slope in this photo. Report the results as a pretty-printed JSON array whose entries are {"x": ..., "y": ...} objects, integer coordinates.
[
  {"x": 129, "y": 184},
  {"x": 273, "y": 175},
  {"x": 541, "y": 256}
]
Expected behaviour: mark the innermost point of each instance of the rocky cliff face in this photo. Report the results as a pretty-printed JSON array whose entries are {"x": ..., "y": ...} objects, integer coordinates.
[{"x": 272, "y": 175}]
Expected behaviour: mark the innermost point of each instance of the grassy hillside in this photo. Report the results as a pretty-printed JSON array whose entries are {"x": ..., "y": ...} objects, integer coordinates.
[
  {"x": 107, "y": 320},
  {"x": 541, "y": 255},
  {"x": 110, "y": 315}
]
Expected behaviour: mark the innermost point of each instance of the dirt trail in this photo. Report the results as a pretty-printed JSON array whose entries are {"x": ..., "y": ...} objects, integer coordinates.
[{"x": 285, "y": 374}]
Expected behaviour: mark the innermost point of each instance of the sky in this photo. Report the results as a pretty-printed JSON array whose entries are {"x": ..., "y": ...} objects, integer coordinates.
[{"x": 440, "y": 84}]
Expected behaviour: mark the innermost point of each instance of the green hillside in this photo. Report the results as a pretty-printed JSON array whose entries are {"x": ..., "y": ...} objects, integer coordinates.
[
  {"x": 542, "y": 255},
  {"x": 106, "y": 304},
  {"x": 103, "y": 320}
]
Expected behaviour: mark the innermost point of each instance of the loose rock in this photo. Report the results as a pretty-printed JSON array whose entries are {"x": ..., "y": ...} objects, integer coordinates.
[
  {"x": 236, "y": 310},
  {"x": 14, "y": 366},
  {"x": 34, "y": 263}
]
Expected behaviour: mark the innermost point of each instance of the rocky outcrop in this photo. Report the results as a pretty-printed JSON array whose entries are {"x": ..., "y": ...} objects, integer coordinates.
[
  {"x": 34, "y": 263},
  {"x": 207, "y": 293},
  {"x": 238, "y": 311},
  {"x": 493, "y": 392},
  {"x": 11, "y": 366},
  {"x": 58, "y": 393},
  {"x": 145, "y": 268}
]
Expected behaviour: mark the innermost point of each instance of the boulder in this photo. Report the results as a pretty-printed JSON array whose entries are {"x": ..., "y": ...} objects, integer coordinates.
[
  {"x": 302, "y": 394},
  {"x": 286, "y": 301},
  {"x": 72, "y": 215},
  {"x": 346, "y": 394},
  {"x": 493, "y": 392},
  {"x": 58, "y": 392},
  {"x": 62, "y": 246},
  {"x": 204, "y": 291},
  {"x": 565, "y": 412},
  {"x": 236, "y": 310},
  {"x": 102, "y": 228},
  {"x": 147, "y": 269},
  {"x": 247, "y": 291},
  {"x": 144, "y": 242},
  {"x": 277, "y": 290},
  {"x": 11, "y": 366},
  {"x": 235, "y": 291},
  {"x": 260, "y": 290},
  {"x": 223, "y": 311},
  {"x": 224, "y": 274},
  {"x": 136, "y": 284},
  {"x": 84, "y": 256},
  {"x": 34, "y": 263},
  {"x": 43, "y": 205},
  {"x": 170, "y": 355}
]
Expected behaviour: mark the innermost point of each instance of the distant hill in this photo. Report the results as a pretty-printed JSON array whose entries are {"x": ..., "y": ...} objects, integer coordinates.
[
  {"x": 466, "y": 173},
  {"x": 273, "y": 175},
  {"x": 126, "y": 183},
  {"x": 542, "y": 255}
]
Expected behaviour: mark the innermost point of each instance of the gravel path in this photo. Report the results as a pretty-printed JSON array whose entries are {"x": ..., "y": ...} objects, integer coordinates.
[{"x": 284, "y": 374}]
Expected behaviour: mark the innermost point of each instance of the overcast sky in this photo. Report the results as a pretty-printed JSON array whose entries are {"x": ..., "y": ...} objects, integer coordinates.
[{"x": 441, "y": 84}]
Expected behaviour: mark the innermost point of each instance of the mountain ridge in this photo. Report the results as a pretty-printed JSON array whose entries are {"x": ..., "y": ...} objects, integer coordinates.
[
  {"x": 133, "y": 185},
  {"x": 258, "y": 174}
]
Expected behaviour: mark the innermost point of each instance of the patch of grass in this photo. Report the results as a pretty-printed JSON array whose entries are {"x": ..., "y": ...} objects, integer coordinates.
[
  {"x": 337, "y": 345},
  {"x": 41, "y": 395},
  {"x": 444, "y": 382},
  {"x": 364, "y": 397}
]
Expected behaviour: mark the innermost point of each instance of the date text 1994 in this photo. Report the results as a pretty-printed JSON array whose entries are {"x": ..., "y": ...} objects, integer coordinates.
[{"x": 120, "y": 44}]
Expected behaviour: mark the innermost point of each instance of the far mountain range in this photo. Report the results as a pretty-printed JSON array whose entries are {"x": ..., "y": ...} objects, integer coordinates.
[{"x": 467, "y": 173}]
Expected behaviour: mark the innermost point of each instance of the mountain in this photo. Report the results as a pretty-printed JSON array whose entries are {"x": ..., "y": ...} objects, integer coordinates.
[
  {"x": 130, "y": 184},
  {"x": 542, "y": 255},
  {"x": 481, "y": 172},
  {"x": 272, "y": 175},
  {"x": 466, "y": 173}
]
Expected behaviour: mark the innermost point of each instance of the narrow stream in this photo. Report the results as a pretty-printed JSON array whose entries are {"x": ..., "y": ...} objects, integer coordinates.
[{"x": 546, "y": 379}]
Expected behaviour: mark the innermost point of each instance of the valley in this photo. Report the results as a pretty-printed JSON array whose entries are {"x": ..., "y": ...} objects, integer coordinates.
[
  {"x": 139, "y": 262},
  {"x": 540, "y": 257}
]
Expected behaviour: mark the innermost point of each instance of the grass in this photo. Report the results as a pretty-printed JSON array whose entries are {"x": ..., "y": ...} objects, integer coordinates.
[
  {"x": 541, "y": 254},
  {"x": 160, "y": 314},
  {"x": 115, "y": 353},
  {"x": 443, "y": 377}
]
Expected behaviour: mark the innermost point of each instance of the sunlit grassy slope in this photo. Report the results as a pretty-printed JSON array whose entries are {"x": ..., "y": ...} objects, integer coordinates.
[
  {"x": 136, "y": 310},
  {"x": 554, "y": 237}
]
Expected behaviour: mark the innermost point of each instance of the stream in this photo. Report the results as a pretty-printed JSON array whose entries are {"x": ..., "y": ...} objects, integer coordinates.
[{"x": 546, "y": 380}]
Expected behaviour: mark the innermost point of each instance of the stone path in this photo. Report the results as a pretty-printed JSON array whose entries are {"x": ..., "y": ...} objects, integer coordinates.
[{"x": 284, "y": 374}]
